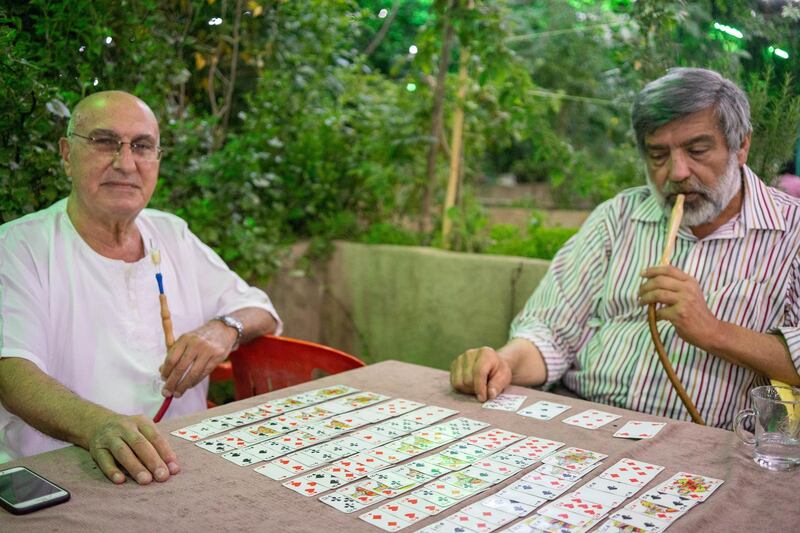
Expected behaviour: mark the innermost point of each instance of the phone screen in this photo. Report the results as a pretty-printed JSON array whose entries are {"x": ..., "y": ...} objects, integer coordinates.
[{"x": 23, "y": 485}]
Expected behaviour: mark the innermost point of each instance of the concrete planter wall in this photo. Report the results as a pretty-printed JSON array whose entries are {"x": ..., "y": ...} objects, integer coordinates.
[{"x": 414, "y": 304}]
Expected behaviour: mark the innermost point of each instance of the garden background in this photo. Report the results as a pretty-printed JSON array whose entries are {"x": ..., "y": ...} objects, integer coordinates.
[{"x": 312, "y": 120}]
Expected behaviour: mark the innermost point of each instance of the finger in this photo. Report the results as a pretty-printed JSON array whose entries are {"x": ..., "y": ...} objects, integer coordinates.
[
  {"x": 178, "y": 371},
  {"x": 193, "y": 376},
  {"x": 173, "y": 356},
  {"x": 105, "y": 461},
  {"x": 481, "y": 370},
  {"x": 127, "y": 458},
  {"x": 664, "y": 270},
  {"x": 457, "y": 375},
  {"x": 467, "y": 368},
  {"x": 161, "y": 446},
  {"x": 660, "y": 296},
  {"x": 498, "y": 381},
  {"x": 146, "y": 455}
]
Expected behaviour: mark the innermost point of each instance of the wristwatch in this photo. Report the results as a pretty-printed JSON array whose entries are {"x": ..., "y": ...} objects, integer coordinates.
[{"x": 234, "y": 323}]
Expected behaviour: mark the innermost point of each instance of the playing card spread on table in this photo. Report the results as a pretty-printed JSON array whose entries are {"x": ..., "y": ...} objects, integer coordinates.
[
  {"x": 195, "y": 432},
  {"x": 313, "y": 483},
  {"x": 543, "y": 410},
  {"x": 505, "y": 402},
  {"x": 222, "y": 444},
  {"x": 639, "y": 430},
  {"x": 563, "y": 473},
  {"x": 645, "y": 523},
  {"x": 582, "y": 506},
  {"x": 554, "y": 511},
  {"x": 465, "y": 450},
  {"x": 539, "y": 490},
  {"x": 516, "y": 461},
  {"x": 421, "y": 505},
  {"x": 388, "y": 455},
  {"x": 385, "y": 521},
  {"x": 692, "y": 486},
  {"x": 433, "y": 497},
  {"x": 447, "y": 462},
  {"x": 403, "y": 512},
  {"x": 430, "y": 414},
  {"x": 632, "y": 472},
  {"x": 275, "y": 471},
  {"x": 494, "y": 439},
  {"x": 361, "y": 492},
  {"x": 654, "y": 510},
  {"x": 534, "y": 447},
  {"x": 341, "y": 503},
  {"x": 403, "y": 447},
  {"x": 612, "y": 487},
  {"x": 673, "y": 501},
  {"x": 611, "y": 500},
  {"x": 371, "y": 437},
  {"x": 463, "y": 480},
  {"x": 470, "y": 522},
  {"x": 591, "y": 419},
  {"x": 492, "y": 515},
  {"x": 495, "y": 467},
  {"x": 241, "y": 458},
  {"x": 460, "y": 427},
  {"x": 393, "y": 480},
  {"x": 575, "y": 459},
  {"x": 485, "y": 475},
  {"x": 540, "y": 523},
  {"x": 507, "y": 506},
  {"x": 529, "y": 498}
]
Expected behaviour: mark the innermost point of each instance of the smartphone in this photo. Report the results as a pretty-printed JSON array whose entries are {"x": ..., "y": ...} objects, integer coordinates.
[{"x": 24, "y": 491}]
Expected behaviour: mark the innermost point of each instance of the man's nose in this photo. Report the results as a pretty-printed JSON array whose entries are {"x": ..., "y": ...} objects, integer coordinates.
[
  {"x": 679, "y": 166},
  {"x": 123, "y": 158}
]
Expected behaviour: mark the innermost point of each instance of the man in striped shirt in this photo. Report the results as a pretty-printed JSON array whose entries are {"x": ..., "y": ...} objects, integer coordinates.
[{"x": 728, "y": 307}]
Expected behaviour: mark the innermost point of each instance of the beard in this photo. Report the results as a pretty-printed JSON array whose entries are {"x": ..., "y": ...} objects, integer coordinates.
[{"x": 709, "y": 202}]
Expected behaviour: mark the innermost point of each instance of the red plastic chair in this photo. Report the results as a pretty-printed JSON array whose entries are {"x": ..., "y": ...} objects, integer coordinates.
[{"x": 269, "y": 363}]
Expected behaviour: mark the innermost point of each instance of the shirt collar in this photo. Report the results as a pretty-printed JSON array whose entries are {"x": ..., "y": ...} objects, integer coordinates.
[{"x": 758, "y": 207}]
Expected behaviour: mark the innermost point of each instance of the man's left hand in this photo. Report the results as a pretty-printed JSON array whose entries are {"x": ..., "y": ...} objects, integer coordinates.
[
  {"x": 195, "y": 355},
  {"x": 682, "y": 303}
]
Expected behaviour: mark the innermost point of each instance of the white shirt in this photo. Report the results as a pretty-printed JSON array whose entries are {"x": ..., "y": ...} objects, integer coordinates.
[{"x": 94, "y": 323}]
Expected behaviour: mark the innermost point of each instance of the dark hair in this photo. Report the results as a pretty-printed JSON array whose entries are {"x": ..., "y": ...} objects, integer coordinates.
[{"x": 683, "y": 91}]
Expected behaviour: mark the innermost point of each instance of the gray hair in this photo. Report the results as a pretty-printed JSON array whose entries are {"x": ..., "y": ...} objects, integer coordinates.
[{"x": 683, "y": 91}]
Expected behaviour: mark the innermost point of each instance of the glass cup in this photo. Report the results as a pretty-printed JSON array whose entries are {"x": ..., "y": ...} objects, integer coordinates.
[{"x": 776, "y": 441}]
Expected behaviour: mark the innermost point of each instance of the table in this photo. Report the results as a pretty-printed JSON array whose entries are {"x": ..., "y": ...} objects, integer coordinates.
[{"x": 211, "y": 494}]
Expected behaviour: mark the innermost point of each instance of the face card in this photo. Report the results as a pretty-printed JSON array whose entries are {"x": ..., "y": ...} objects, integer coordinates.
[
  {"x": 639, "y": 430},
  {"x": 591, "y": 419},
  {"x": 615, "y": 526},
  {"x": 575, "y": 459},
  {"x": 196, "y": 432},
  {"x": 361, "y": 494},
  {"x": 692, "y": 486},
  {"x": 446, "y": 462},
  {"x": 653, "y": 510},
  {"x": 505, "y": 402},
  {"x": 543, "y": 410},
  {"x": 461, "y": 480},
  {"x": 632, "y": 472},
  {"x": 540, "y": 523},
  {"x": 403, "y": 447},
  {"x": 341, "y": 503},
  {"x": 437, "y": 437},
  {"x": 413, "y": 474},
  {"x": 385, "y": 521}
]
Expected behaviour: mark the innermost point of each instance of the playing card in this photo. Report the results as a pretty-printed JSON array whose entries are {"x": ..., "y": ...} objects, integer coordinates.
[
  {"x": 470, "y": 523},
  {"x": 419, "y": 442},
  {"x": 427, "y": 468},
  {"x": 412, "y": 473},
  {"x": 446, "y": 462},
  {"x": 403, "y": 447},
  {"x": 494, "y": 438},
  {"x": 293, "y": 466},
  {"x": 383, "y": 520},
  {"x": 362, "y": 493},
  {"x": 437, "y": 437},
  {"x": 673, "y": 501},
  {"x": 516, "y": 461},
  {"x": 369, "y": 462},
  {"x": 654, "y": 510},
  {"x": 357, "y": 445},
  {"x": 461, "y": 480},
  {"x": 591, "y": 419},
  {"x": 420, "y": 505},
  {"x": 563, "y": 473},
  {"x": 543, "y": 410},
  {"x": 525, "y": 498},
  {"x": 575, "y": 459},
  {"x": 632, "y": 472},
  {"x": 460, "y": 427},
  {"x": 362, "y": 399},
  {"x": 248, "y": 435},
  {"x": 570, "y": 517},
  {"x": 610, "y": 500},
  {"x": 222, "y": 444},
  {"x": 371, "y": 437},
  {"x": 341, "y": 503},
  {"x": 693, "y": 486},
  {"x": 430, "y": 414},
  {"x": 612, "y": 487},
  {"x": 333, "y": 391},
  {"x": 639, "y": 430},
  {"x": 433, "y": 497},
  {"x": 505, "y": 402},
  {"x": 393, "y": 480},
  {"x": 646, "y": 523},
  {"x": 547, "y": 481},
  {"x": 456, "y": 493},
  {"x": 486, "y": 475},
  {"x": 494, "y": 516},
  {"x": 274, "y": 471},
  {"x": 240, "y": 458},
  {"x": 399, "y": 510},
  {"x": 466, "y": 451},
  {"x": 540, "y": 491},
  {"x": 388, "y": 455},
  {"x": 496, "y": 467},
  {"x": 224, "y": 422},
  {"x": 196, "y": 432},
  {"x": 335, "y": 449},
  {"x": 444, "y": 526},
  {"x": 313, "y": 484},
  {"x": 582, "y": 506},
  {"x": 507, "y": 506},
  {"x": 540, "y": 523},
  {"x": 534, "y": 447}
]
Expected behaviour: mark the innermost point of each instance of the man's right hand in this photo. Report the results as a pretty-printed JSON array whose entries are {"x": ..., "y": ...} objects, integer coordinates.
[
  {"x": 134, "y": 443},
  {"x": 480, "y": 371}
]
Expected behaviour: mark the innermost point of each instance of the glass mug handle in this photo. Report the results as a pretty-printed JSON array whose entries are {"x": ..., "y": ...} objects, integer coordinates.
[{"x": 738, "y": 426}]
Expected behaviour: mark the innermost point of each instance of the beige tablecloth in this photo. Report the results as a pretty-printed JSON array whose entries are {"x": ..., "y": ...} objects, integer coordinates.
[{"x": 211, "y": 494}]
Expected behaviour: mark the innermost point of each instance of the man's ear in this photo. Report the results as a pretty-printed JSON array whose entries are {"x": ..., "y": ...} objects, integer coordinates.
[
  {"x": 63, "y": 148},
  {"x": 741, "y": 154}
]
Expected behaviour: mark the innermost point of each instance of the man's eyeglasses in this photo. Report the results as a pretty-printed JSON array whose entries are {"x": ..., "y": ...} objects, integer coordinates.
[{"x": 141, "y": 150}]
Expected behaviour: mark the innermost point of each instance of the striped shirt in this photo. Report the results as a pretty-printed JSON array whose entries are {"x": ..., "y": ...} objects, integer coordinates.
[{"x": 585, "y": 319}]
